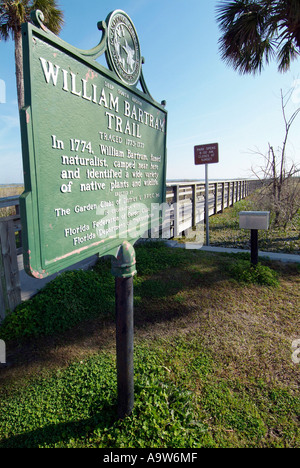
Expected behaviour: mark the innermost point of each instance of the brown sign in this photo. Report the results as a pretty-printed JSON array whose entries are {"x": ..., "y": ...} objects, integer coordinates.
[{"x": 207, "y": 154}]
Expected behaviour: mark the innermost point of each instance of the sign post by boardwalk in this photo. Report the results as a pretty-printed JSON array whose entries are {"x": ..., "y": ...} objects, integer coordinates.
[
  {"x": 206, "y": 154},
  {"x": 94, "y": 156}
]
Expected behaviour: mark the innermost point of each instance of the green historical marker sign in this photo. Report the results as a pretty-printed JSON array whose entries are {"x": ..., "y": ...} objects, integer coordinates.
[{"x": 94, "y": 147}]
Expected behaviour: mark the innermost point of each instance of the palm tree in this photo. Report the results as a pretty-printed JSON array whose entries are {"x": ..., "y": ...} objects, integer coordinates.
[
  {"x": 15, "y": 12},
  {"x": 255, "y": 31}
]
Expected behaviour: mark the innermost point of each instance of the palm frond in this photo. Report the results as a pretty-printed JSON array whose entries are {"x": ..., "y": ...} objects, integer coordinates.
[
  {"x": 12, "y": 15},
  {"x": 253, "y": 30},
  {"x": 286, "y": 54},
  {"x": 246, "y": 42},
  {"x": 54, "y": 18},
  {"x": 15, "y": 12},
  {"x": 4, "y": 31}
]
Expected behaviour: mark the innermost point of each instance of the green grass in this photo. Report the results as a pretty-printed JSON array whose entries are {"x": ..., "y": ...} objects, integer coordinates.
[
  {"x": 66, "y": 301},
  {"x": 179, "y": 403},
  {"x": 213, "y": 363}
]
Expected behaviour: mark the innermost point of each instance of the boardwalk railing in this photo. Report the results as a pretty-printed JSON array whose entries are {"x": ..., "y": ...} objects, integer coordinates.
[
  {"x": 187, "y": 201},
  {"x": 186, "y": 208}
]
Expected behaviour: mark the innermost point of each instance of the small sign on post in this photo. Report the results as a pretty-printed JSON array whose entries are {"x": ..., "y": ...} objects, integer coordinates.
[
  {"x": 254, "y": 220},
  {"x": 206, "y": 154}
]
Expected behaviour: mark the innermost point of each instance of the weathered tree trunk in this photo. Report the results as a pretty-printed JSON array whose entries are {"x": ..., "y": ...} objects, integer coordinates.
[{"x": 19, "y": 68}]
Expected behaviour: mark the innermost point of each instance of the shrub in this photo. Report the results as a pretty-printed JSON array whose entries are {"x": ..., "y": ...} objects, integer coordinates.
[{"x": 244, "y": 272}]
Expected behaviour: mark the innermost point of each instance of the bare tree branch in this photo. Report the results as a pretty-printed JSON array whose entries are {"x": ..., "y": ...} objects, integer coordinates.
[{"x": 277, "y": 178}]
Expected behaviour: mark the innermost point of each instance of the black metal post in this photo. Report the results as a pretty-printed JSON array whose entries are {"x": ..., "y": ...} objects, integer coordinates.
[
  {"x": 124, "y": 340},
  {"x": 254, "y": 247},
  {"x": 124, "y": 269}
]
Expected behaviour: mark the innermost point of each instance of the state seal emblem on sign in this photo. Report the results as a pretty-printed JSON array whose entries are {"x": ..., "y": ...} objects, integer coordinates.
[{"x": 124, "y": 55}]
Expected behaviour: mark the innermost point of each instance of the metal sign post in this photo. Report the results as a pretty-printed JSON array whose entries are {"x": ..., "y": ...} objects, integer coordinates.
[
  {"x": 206, "y": 204},
  {"x": 254, "y": 247},
  {"x": 254, "y": 220},
  {"x": 123, "y": 268},
  {"x": 206, "y": 154}
]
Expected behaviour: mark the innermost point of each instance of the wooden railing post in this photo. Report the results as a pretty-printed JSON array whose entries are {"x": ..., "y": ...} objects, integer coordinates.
[
  {"x": 216, "y": 198},
  {"x": 194, "y": 205},
  {"x": 233, "y": 193},
  {"x": 10, "y": 294},
  {"x": 176, "y": 210},
  {"x": 223, "y": 197}
]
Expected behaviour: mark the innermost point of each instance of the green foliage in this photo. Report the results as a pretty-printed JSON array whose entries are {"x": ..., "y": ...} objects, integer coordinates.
[
  {"x": 61, "y": 407},
  {"x": 68, "y": 299},
  {"x": 179, "y": 403},
  {"x": 79, "y": 404},
  {"x": 244, "y": 272},
  {"x": 156, "y": 288},
  {"x": 254, "y": 32},
  {"x": 14, "y": 13},
  {"x": 75, "y": 296},
  {"x": 153, "y": 257},
  {"x": 196, "y": 384}
]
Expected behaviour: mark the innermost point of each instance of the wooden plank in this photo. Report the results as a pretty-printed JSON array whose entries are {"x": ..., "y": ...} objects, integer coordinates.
[
  {"x": 16, "y": 220},
  {"x": 194, "y": 202},
  {"x": 233, "y": 194},
  {"x": 3, "y": 294},
  {"x": 216, "y": 188},
  {"x": 176, "y": 211},
  {"x": 9, "y": 265},
  {"x": 228, "y": 195},
  {"x": 4, "y": 303},
  {"x": 9, "y": 201},
  {"x": 223, "y": 197}
]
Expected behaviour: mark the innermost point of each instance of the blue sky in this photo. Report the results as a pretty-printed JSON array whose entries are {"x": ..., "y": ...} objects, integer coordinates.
[{"x": 207, "y": 101}]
